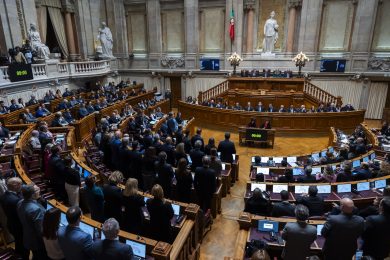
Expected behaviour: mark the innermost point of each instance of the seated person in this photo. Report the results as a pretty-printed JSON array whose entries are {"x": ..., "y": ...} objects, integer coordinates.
[
  {"x": 363, "y": 173},
  {"x": 347, "y": 107},
  {"x": 345, "y": 175},
  {"x": 282, "y": 109},
  {"x": 270, "y": 108},
  {"x": 79, "y": 99},
  {"x": 159, "y": 114},
  {"x": 249, "y": 107},
  {"x": 73, "y": 102},
  {"x": 328, "y": 175},
  {"x": 68, "y": 116},
  {"x": 47, "y": 98},
  {"x": 314, "y": 202},
  {"x": 59, "y": 120},
  {"x": 42, "y": 111},
  {"x": 178, "y": 118},
  {"x": 321, "y": 108},
  {"x": 332, "y": 108},
  {"x": 266, "y": 125},
  {"x": 3, "y": 108},
  {"x": 252, "y": 123},
  {"x": 114, "y": 118},
  {"x": 83, "y": 112},
  {"x": 13, "y": 106},
  {"x": 237, "y": 107},
  {"x": 302, "y": 109},
  {"x": 32, "y": 101},
  {"x": 67, "y": 93},
  {"x": 4, "y": 132},
  {"x": 98, "y": 106},
  {"x": 287, "y": 177},
  {"x": 90, "y": 108},
  {"x": 28, "y": 117},
  {"x": 291, "y": 109},
  {"x": 257, "y": 204},
  {"x": 307, "y": 178},
  {"x": 64, "y": 104},
  {"x": 283, "y": 208},
  {"x": 259, "y": 107},
  {"x": 34, "y": 140}
]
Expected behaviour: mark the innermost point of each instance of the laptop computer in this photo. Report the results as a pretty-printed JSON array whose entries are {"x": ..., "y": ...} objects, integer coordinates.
[
  {"x": 323, "y": 153},
  {"x": 268, "y": 226},
  {"x": 86, "y": 228},
  {"x": 366, "y": 159},
  {"x": 342, "y": 188},
  {"x": 315, "y": 170},
  {"x": 324, "y": 189},
  {"x": 86, "y": 174},
  {"x": 139, "y": 249},
  {"x": 319, "y": 228},
  {"x": 176, "y": 209},
  {"x": 264, "y": 171},
  {"x": 264, "y": 159},
  {"x": 380, "y": 184},
  {"x": 297, "y": 171},
  {"x": 315, "y": 157},
  {"x": 277, "y": 188},
  {"x": 302, "y": 189},
  {"x": 261, "y": 186},
  {"x": 362, "y": 186},
  {"x": 356, "y": 164},
  {"x": 291, "y": 159},
  {"x": 372, "y": 156},
  {"x": 278, "y": 159}
]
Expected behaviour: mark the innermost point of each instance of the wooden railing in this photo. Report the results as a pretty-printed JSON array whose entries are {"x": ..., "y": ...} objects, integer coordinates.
[
  {"x": 320, "y": 95},
  {"x": 213, "y": 92}
]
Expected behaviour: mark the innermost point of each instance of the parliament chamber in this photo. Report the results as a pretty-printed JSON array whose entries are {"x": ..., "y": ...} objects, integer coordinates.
[{"x": 193, "y": 129}]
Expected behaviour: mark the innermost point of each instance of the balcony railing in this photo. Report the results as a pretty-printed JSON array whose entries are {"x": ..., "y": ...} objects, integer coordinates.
[{"x": 47, "y": 71}]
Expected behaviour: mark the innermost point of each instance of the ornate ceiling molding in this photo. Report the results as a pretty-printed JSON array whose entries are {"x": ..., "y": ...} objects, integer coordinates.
[
  {"x": 172, "y": 62},
  {"x": 249, "y": 4},
  {"x": 379, "y": 64},
  {"x": 294, "y": 3}
]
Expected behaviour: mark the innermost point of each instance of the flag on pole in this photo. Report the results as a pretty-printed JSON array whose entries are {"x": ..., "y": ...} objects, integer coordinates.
[{"x": 231, "y": 27}]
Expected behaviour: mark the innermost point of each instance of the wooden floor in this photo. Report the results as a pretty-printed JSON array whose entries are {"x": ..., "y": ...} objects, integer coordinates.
[{"x": 220, "y": 241}]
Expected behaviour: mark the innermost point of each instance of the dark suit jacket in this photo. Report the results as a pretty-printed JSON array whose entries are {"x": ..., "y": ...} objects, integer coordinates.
[
  {"x": 170, "y": 151},
  {"x": 9, "y": 202},
  {"x": 164, "y": 177},
  {"x": 133, "y": 215},
  {"x": 31, "y": 214},
  {"x": 4, "y": 133},
  {"x": 161, "y": 214},
  {"x": 298, "y": 236},
  {"x": 341, "y": 232},
  {"x": 259, "y": 207},
  {"x": 376, "y": 237},
  {"x": 307, "y": 179},
  {"x": 283, "y": 208},
  {"x": 75, "y": 243},
  {"x": 196, "y": 156},
  {"x": 111, "y": 249},
  {"x": 205, "y": 182},
  {"x": 315, "y": 204},
  {"x": 259, "y": 109},
  {"x": 227, "y": 149},
  {"x": 195, "y": 138},
  {"x": 113, "y": 201}
]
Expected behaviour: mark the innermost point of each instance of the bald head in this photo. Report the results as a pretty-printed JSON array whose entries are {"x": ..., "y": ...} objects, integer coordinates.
[{"x": 346, "y": 205}]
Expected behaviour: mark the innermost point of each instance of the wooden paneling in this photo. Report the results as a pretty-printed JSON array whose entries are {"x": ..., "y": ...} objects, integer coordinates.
[
  {"x": 274, "y": 84},
  {"x": 176, "y": 90}
]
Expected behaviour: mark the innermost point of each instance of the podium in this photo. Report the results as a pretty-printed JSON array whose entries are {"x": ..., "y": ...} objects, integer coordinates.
[{"x": 250, "y": 135}]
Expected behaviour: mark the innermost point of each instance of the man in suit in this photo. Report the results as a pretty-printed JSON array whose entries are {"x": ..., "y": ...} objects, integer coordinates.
[
  {"x": 347, "y": 107},
  {"x": 259, "y": 107},
  {"x": 341, "y": 232},
  {"x": 237, "y": 106},
  {"x": 298, "y": 236},
  {"x": 75, "y": 243},
  {"x": 307, "y": 178},
  {"x": 29, "y": 117},
  {"x": 172, "y": 124},
  {"x": 271, "y": 108},
  {"x": 196, "y": 155},
  {"x": 363, "y": 173},
  {"x": 291, "y": 109},
  {"x": 4, "y": 132},
  {"x": 321, "y": 108},
  {"x": 314, "y": 202},
  {"x": 205, "y": 183},
  {"x": 376, "y": 235},
  {"x": 282, "y": 109},
  {"x": 227, "y": 149},
  {"x": 249, "y": 107},
  {"x": 332, "y": 108},
  {"x": 9, "y": 202},
  {"x": 13, "y": 106},
  {"x": 169, "y": 149},
  {"x": 283, "y": 208},
  {"x": 30, "y": 214},
  {"x": 196, "y": 137},
  {"x": 110, "y": 247}
]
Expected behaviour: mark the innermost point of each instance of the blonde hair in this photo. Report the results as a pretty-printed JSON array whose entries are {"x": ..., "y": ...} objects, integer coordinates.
[
  {"x": 131, "y": 187},
  {"x": 116, "y": 177},
  {"x": 157, "y": 192}
]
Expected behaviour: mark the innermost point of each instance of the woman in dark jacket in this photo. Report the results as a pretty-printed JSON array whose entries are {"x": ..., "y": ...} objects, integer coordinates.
[
  {"x": 180, "y": 153},
  {"x": 209, "y": 146},
  {"x": 161, "y": 213},
  {"x": 113, "y": 197},
  {"x": 257, "y": 204},
  {"x": 95, "y": 199},
  {"x": 133, "y": 202},
  {"x": 164, "y": 173},
  {"x": 148, "y": 171},
  {"x": 184, "y": 181}
]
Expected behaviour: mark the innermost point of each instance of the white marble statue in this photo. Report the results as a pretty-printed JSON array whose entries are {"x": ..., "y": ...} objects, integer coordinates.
[
  {"x": 105, "y": 37},
  {"x": 36, "y": 44},
  {"x": 270, "y": 34}
]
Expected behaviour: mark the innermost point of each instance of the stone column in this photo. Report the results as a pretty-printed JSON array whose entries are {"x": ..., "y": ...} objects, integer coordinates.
[
  {"x": 249, "y": 6},
  {"x": 293, "y": 5},
  {"x": 68, "y": 10},
  {"x": 310, "y": 26},
  {"x": 154, "y": 32},
  {"x": 191, "y": 16}
]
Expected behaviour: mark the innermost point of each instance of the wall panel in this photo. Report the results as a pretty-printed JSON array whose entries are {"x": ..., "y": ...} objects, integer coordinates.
[
  {"x": 212, "y": 29},
  {"x": 173, "y": 31},
  {"x": 382, "y": 31}
]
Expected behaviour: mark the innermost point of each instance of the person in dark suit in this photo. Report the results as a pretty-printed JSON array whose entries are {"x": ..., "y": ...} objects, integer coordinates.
[
  {"x": 196, "y": 155},
  {"x": 298, "y": 236},
  {"x": 266, "y": 125},
  {"x": 161, "y": 213},
  {"x": 341, "y": 232},
  {"x": 210, "y": 145},
  {"x": 110, "y": 247},
  {"x": 95, "y": 199},
  {"x": 291, "y": 109},
  {"x": 30, "y": 213},
  {"x": 205, "y": 183},
  {"x": 184, "y": 181},
  {"x": 252, "y": 123},
  {"x": 9, "y": 202},
  {"x": 164, "y": 173},
  {"x": 227, "y": 149},
  {"x": 270, "y": 108},
  {"x": 287, "y": 177},
  {"x": 172, "y": 124},
  {"x": 345, "y": 175},
  {"x": 376, "y": 235},
  {"x": 169, "y": 149},
  {"x": 249, "y": 107},
  {"x": 197, "y": 137},
  {"x": 307, "y": 177},
  {"x": 75, "y": 243},
  {"x": 237, "y": 106},
  {"x": 347, "y": 107},
  {"x": 257, "y": 204},
  {"x": 113, "y": 196},
  {"x": 363, "y": 173},
  {"x": 259, "y": 107},
  {"x": 282, "y": 109},
  {"x": 133, "y": 202},
  {"x": 283, "y": 208},
  {"x": 4, "y": 132},
  {"x": 314, "y": 202}
]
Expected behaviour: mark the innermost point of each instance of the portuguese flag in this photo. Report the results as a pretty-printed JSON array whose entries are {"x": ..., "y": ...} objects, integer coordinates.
[{"x": 231, "y": 27}]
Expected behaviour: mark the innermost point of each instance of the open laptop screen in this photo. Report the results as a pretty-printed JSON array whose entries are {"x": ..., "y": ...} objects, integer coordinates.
[
  {"x": 176, "y": 209},
  {"x": 268, "y": 226},
  {"x": 139, "y": 249},
  {"x": 261, "y": 186},
  {"x": 343, "y": 188}
]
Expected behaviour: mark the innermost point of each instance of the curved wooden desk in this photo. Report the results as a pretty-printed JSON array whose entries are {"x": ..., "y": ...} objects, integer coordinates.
[{"x": 308, "y": 122}]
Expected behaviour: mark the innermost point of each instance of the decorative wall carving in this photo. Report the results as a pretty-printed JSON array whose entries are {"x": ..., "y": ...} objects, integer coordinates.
[
  {"x": 21, "y": 18},
  {"x": 172, "y": 62},
  {"x": 381, "y": 64},
  {"x": 294, "y": 3}
]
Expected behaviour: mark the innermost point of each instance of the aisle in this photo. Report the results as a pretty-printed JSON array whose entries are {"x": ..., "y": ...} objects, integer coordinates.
[{"x": 220, "y": 241}]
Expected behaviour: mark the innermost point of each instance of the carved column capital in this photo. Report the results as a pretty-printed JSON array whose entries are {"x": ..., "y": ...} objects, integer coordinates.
[
  {"x": 38, "y": 3},
  {"x": 294, "y": 3},
  {"x": 249, "y": 4},
  {"x": 355, "y": 2},
  {"x": 68, "y": 6}
]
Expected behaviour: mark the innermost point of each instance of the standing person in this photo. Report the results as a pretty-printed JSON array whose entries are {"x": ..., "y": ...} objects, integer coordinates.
[
  {"x": 95, "y": 199},
  {"x": 75, "y": 243},
  {"x": 209, "y": 146},
  {"x": 227, "y": 149},
  {"x": 9, "y": 202},
  {"x": 298, "y": 236},
  {"x": 164, "y": 173},
  {"x": 184, "y": 181},
  {"x": 215, "y": 162},
  {"x": 341, "y": 232},
  {"x": 113, "y": 196},
  {"x": 205, "y": 184},
  {"x": 30, "y": 214},
  {"x": 110, "y": 247},
  {"x": 376, "y": 235},
  {"x": 133, "y": 202},
  {"x": 51, "y": 223},
  {"x": 161, "y": 213},
  {"x": 72, "y": 182}
]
